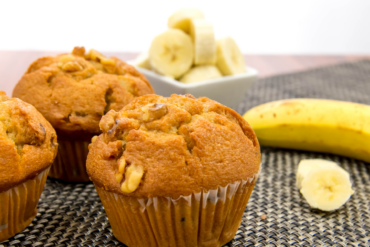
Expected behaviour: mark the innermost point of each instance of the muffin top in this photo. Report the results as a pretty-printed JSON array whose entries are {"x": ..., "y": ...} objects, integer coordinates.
[
  {"x": 28, "y": 143},
  {"x": 157, "y": 146},
  {"x": 73, "y": 91}
]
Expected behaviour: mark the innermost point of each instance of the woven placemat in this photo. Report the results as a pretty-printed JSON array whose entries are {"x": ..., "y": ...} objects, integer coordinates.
[{"x": 72, "y": 214}]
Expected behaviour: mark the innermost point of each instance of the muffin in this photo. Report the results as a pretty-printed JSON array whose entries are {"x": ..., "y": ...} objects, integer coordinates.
[
  {"x": 28, "y": 146},
  {"x": 73, "y": 91},
  {"x": 174, "y": 171}
]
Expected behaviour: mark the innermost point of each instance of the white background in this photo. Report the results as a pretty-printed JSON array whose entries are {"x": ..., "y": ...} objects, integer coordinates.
[{"x": 259, "y": 26}]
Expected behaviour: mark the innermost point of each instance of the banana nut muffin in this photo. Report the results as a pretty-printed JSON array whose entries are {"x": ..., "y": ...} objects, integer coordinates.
[
  {"x": 157, "y": 158},
  {"x": 28, "y": 146},
  {"x": 73, "y": 91}
]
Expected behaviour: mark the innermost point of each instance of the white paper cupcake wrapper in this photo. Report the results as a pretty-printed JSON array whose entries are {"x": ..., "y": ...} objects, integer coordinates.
[
  {"x": 201, "y": 219},
  {"x": 70, "y": 163},
  {"x": 18, "y": 205}
]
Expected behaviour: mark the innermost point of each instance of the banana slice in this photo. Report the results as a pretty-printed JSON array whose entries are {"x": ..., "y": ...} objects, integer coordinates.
[
  {"x": 201, "y": 73},
  {"x": 143, "y": 61},
  {"x": 181, "y": 18},
  {"x": 230, "y": 60},
  {"x": 325, "y": 185},
  {"x": 306, "y": 166},
  {"x": 201, "y": 31},
  {"x": 171, "y": 53}
]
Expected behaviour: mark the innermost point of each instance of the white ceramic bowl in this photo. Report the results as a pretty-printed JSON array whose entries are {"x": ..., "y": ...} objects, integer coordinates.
[{"x": 227, "y": 90}]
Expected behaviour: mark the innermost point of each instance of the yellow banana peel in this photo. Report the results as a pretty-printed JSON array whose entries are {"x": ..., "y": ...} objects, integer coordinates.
[{"x": 320, "y": 125}]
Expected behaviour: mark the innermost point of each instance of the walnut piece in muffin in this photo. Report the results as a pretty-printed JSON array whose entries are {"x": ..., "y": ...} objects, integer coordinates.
[{"x": 157, "y": 146}]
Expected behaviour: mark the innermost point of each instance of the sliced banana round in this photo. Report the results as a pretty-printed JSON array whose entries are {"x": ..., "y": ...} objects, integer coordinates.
[
  {"x": 326, "y": 186},
  {"x": 230, "y": 60},
  {"x": 181, "y": 18},
  {"x": 143, "y": 61},
  {"x": 203, "y": 36},
  {"x": 171, "y": 53},
  {"x": 308, "y": 165},
  {"x": 201, "y": 73}
]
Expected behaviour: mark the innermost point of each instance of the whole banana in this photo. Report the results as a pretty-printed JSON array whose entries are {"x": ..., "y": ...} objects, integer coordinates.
[{"x": 320, "y": 125}]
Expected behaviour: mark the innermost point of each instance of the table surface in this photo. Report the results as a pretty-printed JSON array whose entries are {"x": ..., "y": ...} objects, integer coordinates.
[{"x": 14, "y": 63}]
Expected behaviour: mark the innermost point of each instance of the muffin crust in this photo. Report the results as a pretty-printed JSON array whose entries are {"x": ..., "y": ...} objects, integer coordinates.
[
  {"x": 184, "y": 145},
  {"x": 28, "y": 143},
  {"x": 73, "y": 91}
]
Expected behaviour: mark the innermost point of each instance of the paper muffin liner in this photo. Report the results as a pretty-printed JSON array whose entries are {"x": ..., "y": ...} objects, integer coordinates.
[
  {"x": 70, "y": 163},
  {"x": 18, "y": 205},
  {"x": 207, "y": 218}
]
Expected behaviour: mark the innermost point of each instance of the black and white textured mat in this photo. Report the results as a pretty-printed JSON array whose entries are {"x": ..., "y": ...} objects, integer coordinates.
[{"x": 72, "y": 214}]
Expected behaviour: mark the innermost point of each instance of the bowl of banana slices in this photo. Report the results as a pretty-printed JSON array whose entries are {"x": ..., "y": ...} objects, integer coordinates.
[{"x": 187, "y": 59}]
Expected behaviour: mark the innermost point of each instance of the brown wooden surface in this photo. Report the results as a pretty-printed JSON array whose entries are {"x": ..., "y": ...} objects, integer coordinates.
[{"x": 14, "y": 63}]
